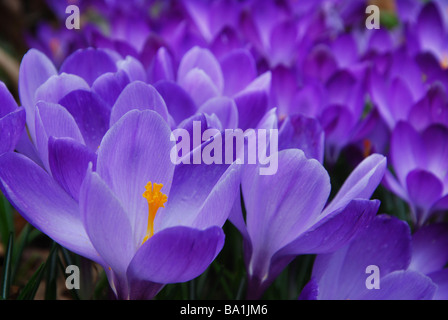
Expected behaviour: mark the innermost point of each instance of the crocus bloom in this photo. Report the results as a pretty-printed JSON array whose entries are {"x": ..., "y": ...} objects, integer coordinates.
[
  {"x": 79, "y": 99},
  {"x": 419, "y": 160},
  {"x": 12, "y": 120},
  {"x": 229, "y": 87},
  {"x": 383, "y": 263},
  {"x": 285, "y": 214},
  {"x": 145, "y": 220}
]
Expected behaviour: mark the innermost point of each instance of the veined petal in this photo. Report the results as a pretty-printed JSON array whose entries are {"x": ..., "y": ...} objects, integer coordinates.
[
  {"x": 106, "y": 223},
  {"x": 334, "y": 230},
  {"x": 403, "y": 285},
  {"x": 274, "y": 216},
  {"x": 384, "y": 243},
  {"x": 239, "y": 69},
  {"x": 109, "y": 86},
  {"x": 53, "y": 120},
  {"x": 424, "y": 189},
  {"x": 224, "y": 108},
  {"x": 405, "y": 150},
  {"x": 44, "y": 204},
  {"x": 11, "y": 127},
  {"x": 201, "y": 196},
  {"x": 361, "y": 183},
  {"x": 68, "y": 160},
  {"x": 89, "y": 64},
  {"x": 178, "y": 101},
  {"x": 35, "y": 69},
  {"x": 429, "y": 245},
  {"x": 56, "y": 87},
  {"x": 90, "y": 113},
  {"x": 176, "y": 254},
  {"x": 141, "y": 96},
  {"x": 201, "y": 59},
  {"x": 199, "y": 85},
  {"x": 135, "y": 151}
]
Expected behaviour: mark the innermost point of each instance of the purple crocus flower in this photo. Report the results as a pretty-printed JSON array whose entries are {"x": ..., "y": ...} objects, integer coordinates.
[
  {"x": 429, "y": 256},
  {"x": 419, "y": 160},
  {"x": 145, "y": 220},
  {"x": 229, "y": 87},
  {"x": 278, "y": 226},
  {"x": 12, "y": 120},
  {"x": 82, "y": 94},
  {"x": 383, "y": 263}
]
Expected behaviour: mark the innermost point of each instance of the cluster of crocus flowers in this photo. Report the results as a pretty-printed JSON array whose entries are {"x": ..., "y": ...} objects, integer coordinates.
[{"x": 86, "y": 158}]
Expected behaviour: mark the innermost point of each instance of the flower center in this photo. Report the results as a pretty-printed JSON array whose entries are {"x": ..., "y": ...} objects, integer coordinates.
[{"x": 156, "y": 200}]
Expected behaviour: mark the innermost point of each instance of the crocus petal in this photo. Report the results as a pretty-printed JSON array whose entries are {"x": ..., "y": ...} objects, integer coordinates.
[
  {"x": 336, "y": 121},
  {"x": 404, "y": 150},
  {"x": 109, "y": 86},
  {"x": 201, "y": 59},
  {"x": 68, "y": 160},
  {"x": 133, "y": 68},
  {"x": 44, "y": 204},
  {"x": 7, "y": 102},
  {"x": 402, "y": 285},
  {"x": 391, "y": 183},
  {"x": 35, "y": 69},
  {"x": 430, "y": 29},
  {"x": 435, "y": 139},
  {"x": 53, "y": 120},
  {"x": 384, "y": 243},
  {"x": 133, "y": 152},
  {"x": 90, "y": 113},
  {"x": 201, "y": 196},
  {"x": 424, "y": 189},
  {"x": 140, "y": 96},
  {"x": 89, "y": 64},
  {"x": 224, "y": 108},
  {"x": 304, "y": 133},
  {"x": 429, "y": 252},
  {"x": 252, "y": 102},
  {"x": 12, "y": 127},
  {"x": 274, "y": 217},
  {"x": 310, "y": 291},
  {"x": 179, "y": 103},
  {"x": 431, "y": 108},
  {"x": 199, "y": 85},
  {"x": 440, "y": 278},
  {"x": 26, "y": 147},
  {"x": 56, "y": 87},
  {"x": 239, "y": 69},
  {"x": 161, "y": 67},
  {"x": 401, "y": 100},
  {"x": 320, "y": 63},
  {"x": 283, "y": 44},
  {"x": 334, "y": 230},
  {"x": 285, "y": 90},
  {"x": 176, "y": 254},
  {"x": 361, "y": 183},
  {"x": 106, "y": 223}
]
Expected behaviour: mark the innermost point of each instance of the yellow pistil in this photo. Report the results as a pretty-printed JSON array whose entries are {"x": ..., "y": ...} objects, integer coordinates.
[{"x": 156, "y": 200}]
